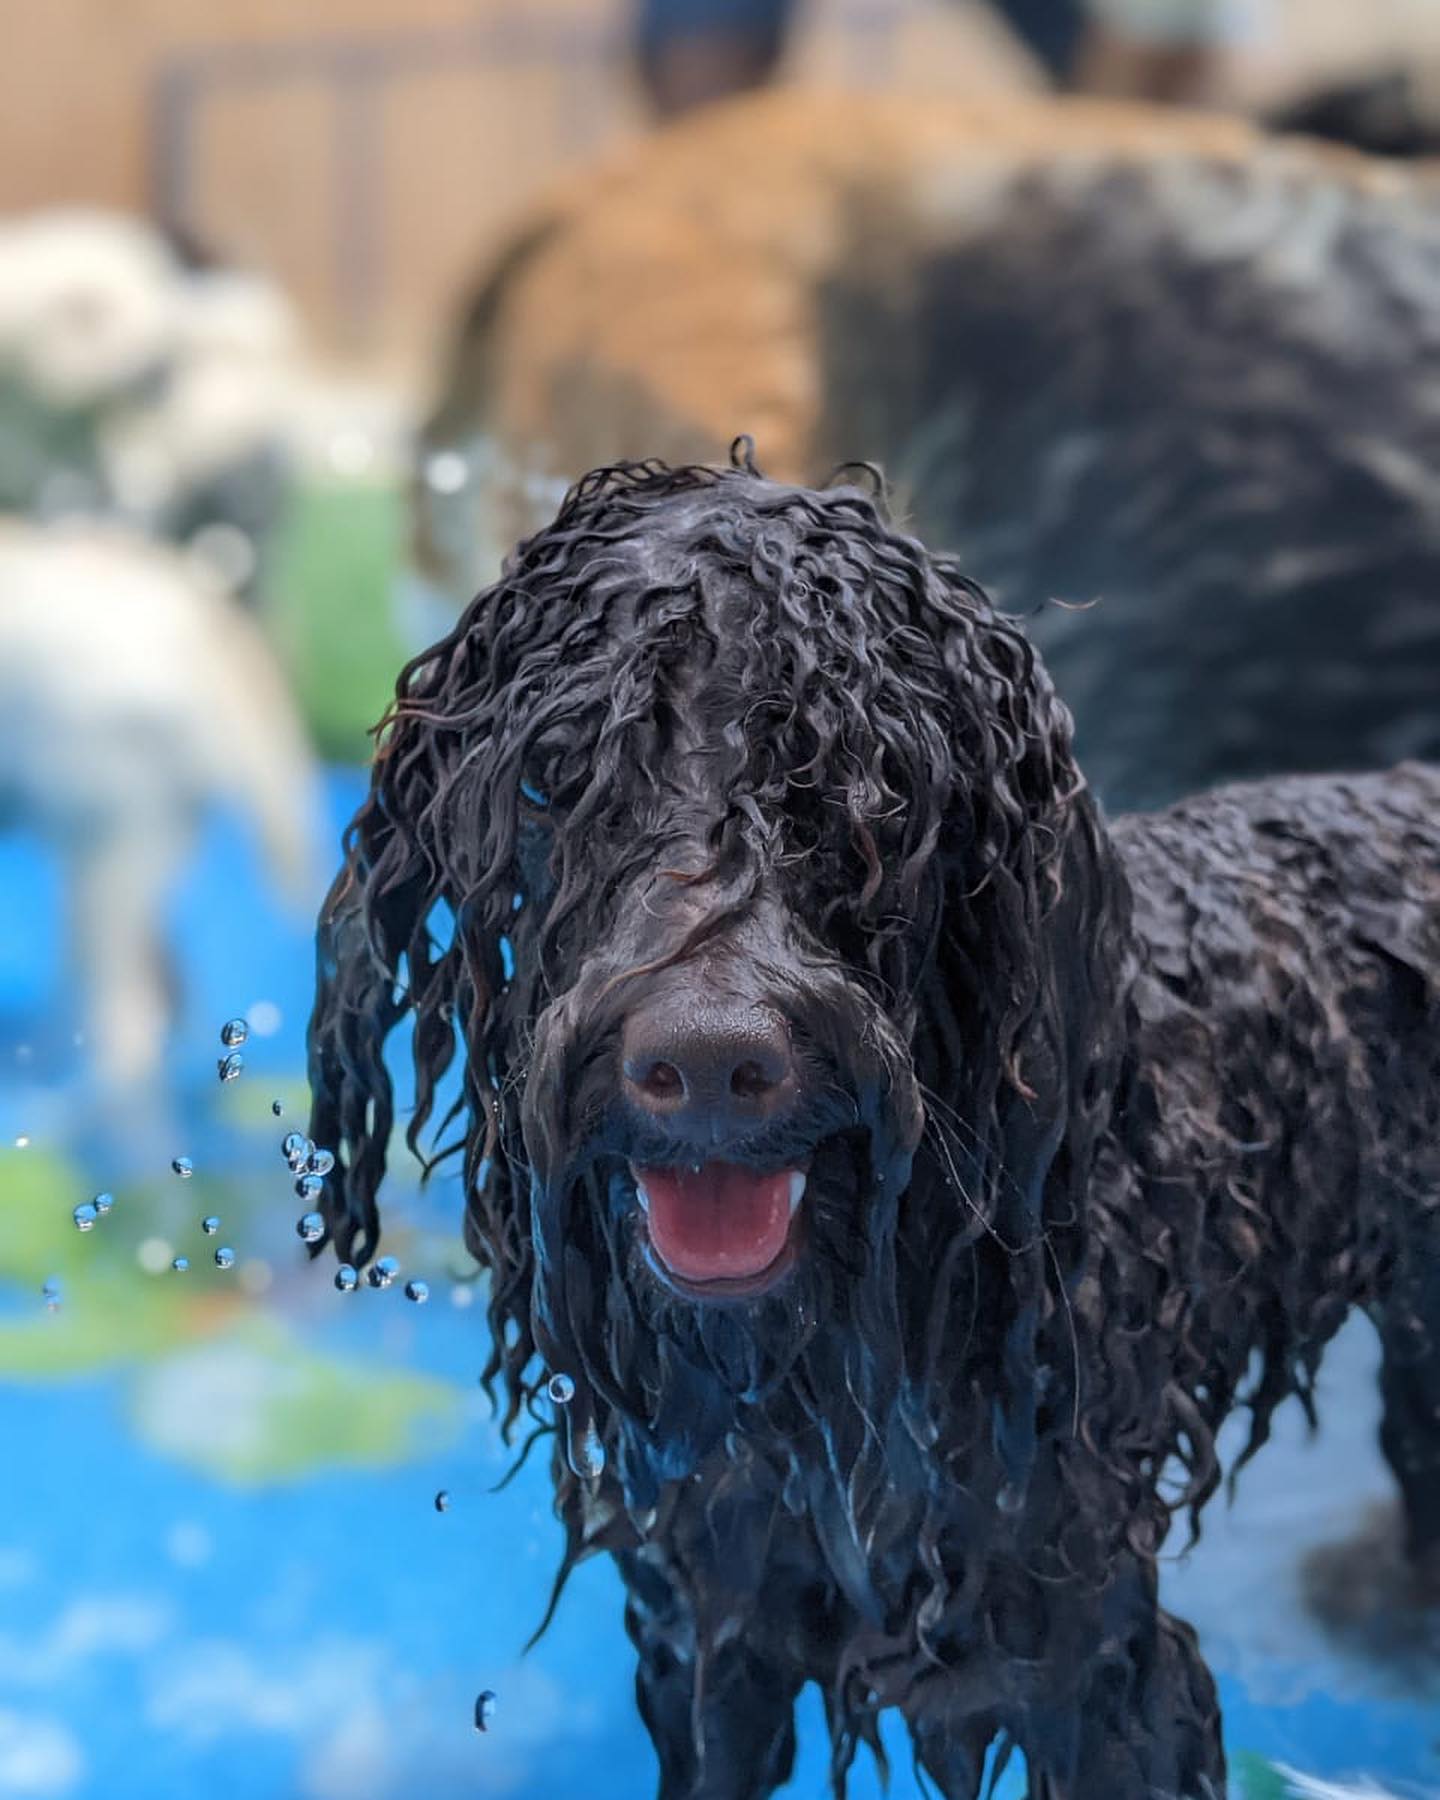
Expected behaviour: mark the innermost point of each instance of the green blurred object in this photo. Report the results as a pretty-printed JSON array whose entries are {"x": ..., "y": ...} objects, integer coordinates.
[
  {"x": 330, "y": 610},
  {"x": 213, "y": 1379},
  {"x": 111, "y": 1311},
  {"x": 258, "y": 1406},
  {"x": 1257, "y": 1779}
]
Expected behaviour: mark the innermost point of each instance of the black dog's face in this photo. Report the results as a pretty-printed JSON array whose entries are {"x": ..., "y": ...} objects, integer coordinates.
[
  {"x": 714, "y": 1070},
  {"x": 750, "y": 816},
  {"x": 732, "y": 1100}
]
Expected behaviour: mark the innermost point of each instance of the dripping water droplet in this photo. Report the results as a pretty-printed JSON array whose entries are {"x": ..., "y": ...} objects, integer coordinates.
[{"x": 583, "y": 1449}]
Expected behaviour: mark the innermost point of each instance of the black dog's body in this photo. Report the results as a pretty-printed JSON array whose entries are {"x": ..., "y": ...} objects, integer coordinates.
[
  {"x": 1103, "y": 1131},
  {"x": 1273, "y": 1161}
]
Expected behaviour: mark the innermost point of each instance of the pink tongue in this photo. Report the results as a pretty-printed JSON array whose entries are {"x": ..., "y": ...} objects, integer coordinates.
[{"x": 719, "y": 1223}]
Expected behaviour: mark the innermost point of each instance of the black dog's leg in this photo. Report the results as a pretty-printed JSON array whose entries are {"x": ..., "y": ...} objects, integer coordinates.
[
  {"x": 1410, "y": 1425},
  {"x": 952, "y": 1752},
  {"x": 1147, "y": 1727},
  {"x": 728, "y": 1736}
]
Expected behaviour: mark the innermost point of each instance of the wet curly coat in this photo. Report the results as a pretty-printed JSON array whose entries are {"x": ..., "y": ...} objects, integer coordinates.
[{"x": 1109, "y": 1126}]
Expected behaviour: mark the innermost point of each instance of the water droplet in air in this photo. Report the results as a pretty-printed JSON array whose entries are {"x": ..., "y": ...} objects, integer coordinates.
[
  {"x": 277, "y": 1109},
  {"x": 22, "y": 1142},
  {"x": 50, "y": 1294},
  {"x": 183, "y": 1167},
  {"x": 321, "y": 1162},
  {"x": 299, "y": 1153},
  {"x": 210, "y": 1225},
  {"x": 418, "y": 1291},
  {"x": 180, "y": 1264},
  {"x": 383, "y": 1272},
  {"x": 442, "y": 1501},
  {"x": 85, "y": 1216},
  {"x": 561, "y": 1389},
  {"x": 346, "y": 1279},
  {"x": 102, "y": 1203},
  {"x": 230, "y": 1066},
  {"x": 311, "y": 1227},
  {"x": 233, "y": 1033},
  {"x": 224, "y": 1258},
  {"x": 446, "y": 472},
  {"x": 310, "y": 1187},
  {"x": 484, "y": 1710}
]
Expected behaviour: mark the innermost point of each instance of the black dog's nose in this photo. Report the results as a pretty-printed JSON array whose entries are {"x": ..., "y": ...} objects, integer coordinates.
[{"x": 707, "y": 1069}]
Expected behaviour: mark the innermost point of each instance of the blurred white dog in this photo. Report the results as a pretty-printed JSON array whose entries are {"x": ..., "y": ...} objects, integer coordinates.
[
  {"x": 134, "y": 696},
  {"x": 135, "y": 387},
  {"x": 89, "y": 304}
]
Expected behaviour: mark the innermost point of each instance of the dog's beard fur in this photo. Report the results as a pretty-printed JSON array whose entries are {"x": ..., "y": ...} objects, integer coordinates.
[{"x": 671, "y": 1375}]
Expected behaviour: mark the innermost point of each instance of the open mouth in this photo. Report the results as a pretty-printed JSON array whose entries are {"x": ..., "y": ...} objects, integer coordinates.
[{"x": 718, "y": 1230}]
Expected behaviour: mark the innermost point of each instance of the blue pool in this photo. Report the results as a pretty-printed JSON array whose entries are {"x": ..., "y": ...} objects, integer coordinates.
[{"x": 222, "y": 1569}]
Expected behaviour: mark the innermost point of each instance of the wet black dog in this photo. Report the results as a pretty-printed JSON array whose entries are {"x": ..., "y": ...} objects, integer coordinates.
[{"x": 910, "y": 1171}]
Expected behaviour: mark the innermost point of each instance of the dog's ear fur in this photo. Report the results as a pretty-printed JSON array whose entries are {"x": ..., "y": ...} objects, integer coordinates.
[
  {"x": 1021, "y": 1033},
  {"x": 397, "y": 939},
  {"x": 413, "y": 930}
]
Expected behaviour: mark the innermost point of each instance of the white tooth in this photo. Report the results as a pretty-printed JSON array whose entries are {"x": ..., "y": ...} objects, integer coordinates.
[
  {"x": 797, "y": 1188},
  {"x": 640, "y": 1193}
]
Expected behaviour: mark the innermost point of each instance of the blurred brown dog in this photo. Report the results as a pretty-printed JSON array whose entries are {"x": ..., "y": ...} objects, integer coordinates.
[{"x": 1106, "y": 353}]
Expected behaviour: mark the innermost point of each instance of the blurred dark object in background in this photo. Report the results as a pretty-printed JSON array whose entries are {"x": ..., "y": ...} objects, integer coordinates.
[
  {"x": 1109, "y": 355},
  {"x": 692, "y": 52},
  {"x": 1393, "y": 113}
]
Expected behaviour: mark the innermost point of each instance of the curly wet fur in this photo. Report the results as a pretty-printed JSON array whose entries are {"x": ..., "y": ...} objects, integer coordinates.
[{"x": 1113, "y": 1125}]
